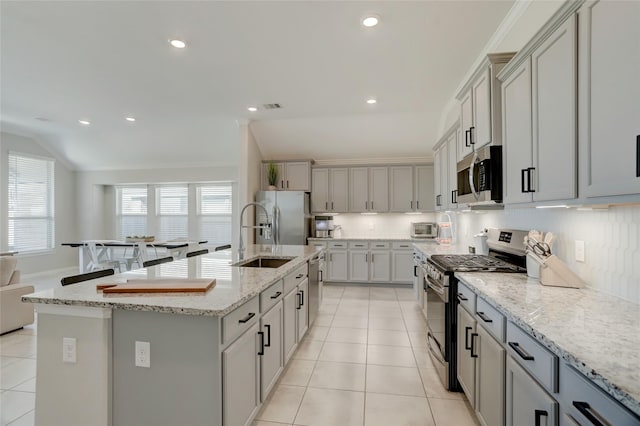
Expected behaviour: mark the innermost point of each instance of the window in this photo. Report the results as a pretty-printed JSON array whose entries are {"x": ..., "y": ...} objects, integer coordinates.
[
  {"x": 173, "y": 212},
  {"x": 31, "y": 203},
  {"x": 214, "y": 213},
  {"x": 131, "y": 211}
]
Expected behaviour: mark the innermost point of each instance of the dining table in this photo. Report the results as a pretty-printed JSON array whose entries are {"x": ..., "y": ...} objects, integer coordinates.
[{"x": 104, "y": 251}]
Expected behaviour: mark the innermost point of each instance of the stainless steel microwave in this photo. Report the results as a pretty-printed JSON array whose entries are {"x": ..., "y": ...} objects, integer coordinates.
[
  {"x": 424, "y": 230},
  {"x": 480, "y": 177}
]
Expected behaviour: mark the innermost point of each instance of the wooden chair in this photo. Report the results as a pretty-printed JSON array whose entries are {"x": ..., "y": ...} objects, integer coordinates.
[
  {"x": 224, "y": 247},
  {"x": 73, "y": 279},
  {"x": 157, "y": 261},
  {"x": 197, "y": 252}
]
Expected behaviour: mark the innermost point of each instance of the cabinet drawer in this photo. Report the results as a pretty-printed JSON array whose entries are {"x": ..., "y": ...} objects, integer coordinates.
[
  {"x": 271, "y": 296},
  {"x": 318, "y": 244},
  {"x": 240, "y": 319},
  {"x": 401, "y": 246},
  {"x": 337, "y": 244},
  {"x": 466, "y": 297},
  {"x": 295, "y": 278},
  {"x": 580, "y": 398},
  {"x": 379, "y": 245},
  {"x": 492, "y": 320},
  {"x": 358, "y": 245},
  {"x": 535, "y": 358}
]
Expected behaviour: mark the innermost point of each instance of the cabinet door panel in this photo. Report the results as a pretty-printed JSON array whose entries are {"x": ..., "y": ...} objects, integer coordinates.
[
  {"x": 380, "y": 262},
  {"x": 320, "y": 190},
  {"x": 452, "y": 164},
  {"x": 289, "y": 335},
  {"x": 402, "y": 189},
  {"x": 425, "y": 186},
  {"x": 490, "y": 393},
  {"x": 445, "y": 185},
  {"x": 481, "y": 134},
  {"x": 379, "y": 189},
  {"x": 303, "y": 309},
  {"x": 240, "y": 375},
  {"x": 466, "y": 363},
  {"x": 358, "y": 189},
  {"x": 553, "y": 70},
  {"x": 466, "y": 122},
  {"x": 516, "y": 133},
  {"x": 337, "y": 266},
  {"x": 358, "y": 265},
  {"x": 402, "y": 266},
  {"x": 437, "y": 165},
  {"x": 339, "y": 190},
  {"x": 526, "y": 399},
  {"x": 271, "y": 361},
  {"x": 297, "y": 176},
  {"x": 609, "y": 92}
]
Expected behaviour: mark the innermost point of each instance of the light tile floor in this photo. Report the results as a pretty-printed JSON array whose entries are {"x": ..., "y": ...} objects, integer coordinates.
[{"x": 364, "y": 362}]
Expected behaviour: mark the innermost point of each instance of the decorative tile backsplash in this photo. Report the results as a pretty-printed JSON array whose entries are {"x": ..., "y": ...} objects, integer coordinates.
[
  {"x": 379, "y": 225},
  {"x": 611, "y": 237}
]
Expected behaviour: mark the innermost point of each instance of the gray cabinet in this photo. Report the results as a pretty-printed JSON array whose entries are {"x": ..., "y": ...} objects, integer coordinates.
[
  {"x": 380, "y": 266},
  {"x": 271, "y": 357},
  {"x": 302, "y": 309},
  {"x": 490, "y": 378},
  {"x": 292, "y": 175},
  {"x": 527, "y": 403},
  {"x": 337, "y": 265},
  {"x": 401, "y": 264},
  {"x": 402, "y": 195},
  {"x": 289, "y": 332},
  {"x": 378, "y": 189},
  {"x": 320, "y": 190},
  {"x": 467, "y": 353},
  {"x": 609, "y": 88},
  {"x": 241, "y": 379},
  {"x": 368, "y": 189},
  {"x": 424, "y": 187},
  {"x": 358, "y": 265},
  {"x": 339, "y": 190},
  {"x": 358, "y": 189},
  {"x": 329, "y": 190}
]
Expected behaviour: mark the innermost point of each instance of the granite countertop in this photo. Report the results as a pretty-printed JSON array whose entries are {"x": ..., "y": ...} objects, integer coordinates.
[
  {"x": 234, "y": 285},
  {"x": 372, "y": 238},
  {"x": 432, "y": 247},
  {"x": 594, "y": 332}
]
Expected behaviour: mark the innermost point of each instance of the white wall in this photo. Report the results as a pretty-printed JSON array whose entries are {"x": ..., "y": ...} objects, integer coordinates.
[
  {"x": 386, "y": 225},
  {"x": 248, "y": 180},
  {"x": 65, "y": 212},
  {"x": 612, "y": 241}
]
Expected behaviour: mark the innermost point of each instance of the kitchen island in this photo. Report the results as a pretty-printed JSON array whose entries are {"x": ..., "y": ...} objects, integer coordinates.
[{"x": 168, "y": 359}]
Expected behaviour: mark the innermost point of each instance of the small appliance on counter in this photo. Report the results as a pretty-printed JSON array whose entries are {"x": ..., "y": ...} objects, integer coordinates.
[
  {"x": 424, "y": 230},
  {"x": 323, "y": 227},
  {"x": 446, "y": 235}
]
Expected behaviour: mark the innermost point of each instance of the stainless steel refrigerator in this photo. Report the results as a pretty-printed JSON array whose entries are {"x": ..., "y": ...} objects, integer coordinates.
[{"x": 289, "y": 213}]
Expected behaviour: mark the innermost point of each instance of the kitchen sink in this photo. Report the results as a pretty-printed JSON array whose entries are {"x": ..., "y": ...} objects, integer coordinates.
[{"x": 264, "y": 262}]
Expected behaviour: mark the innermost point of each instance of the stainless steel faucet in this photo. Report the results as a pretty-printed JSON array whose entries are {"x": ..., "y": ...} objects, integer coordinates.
[{"x": 267, "y": 227}]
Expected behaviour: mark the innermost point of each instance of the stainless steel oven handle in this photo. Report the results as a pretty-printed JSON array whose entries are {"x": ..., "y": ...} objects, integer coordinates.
[
  {"x": 472, "y": 166},
  {"x": 438, "y": 353},
  {"x": 439, "y": 289}
]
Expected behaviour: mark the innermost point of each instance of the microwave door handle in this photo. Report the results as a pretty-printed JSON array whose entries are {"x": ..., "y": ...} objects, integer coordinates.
[{"x": 471, "y": 170}]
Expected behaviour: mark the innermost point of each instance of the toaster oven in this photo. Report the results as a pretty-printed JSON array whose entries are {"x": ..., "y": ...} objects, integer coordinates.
[{"x": 424, "y": 230}]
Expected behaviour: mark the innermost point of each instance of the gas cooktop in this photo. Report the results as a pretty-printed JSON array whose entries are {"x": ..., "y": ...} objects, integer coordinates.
[{"x": 473, "y": 263}]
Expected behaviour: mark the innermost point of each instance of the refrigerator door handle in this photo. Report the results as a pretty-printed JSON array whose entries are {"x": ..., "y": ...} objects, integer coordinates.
[{"x": 276, "y": 225}]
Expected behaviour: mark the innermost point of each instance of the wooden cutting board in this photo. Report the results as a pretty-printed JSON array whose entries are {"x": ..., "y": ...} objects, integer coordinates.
[{"x": 159, "y": 286}]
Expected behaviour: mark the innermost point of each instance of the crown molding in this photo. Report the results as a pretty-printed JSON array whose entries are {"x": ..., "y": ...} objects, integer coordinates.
[{"x": 374, "y": 161}]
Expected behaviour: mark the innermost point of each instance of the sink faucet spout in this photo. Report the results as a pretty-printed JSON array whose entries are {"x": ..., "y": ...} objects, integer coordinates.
[{"x": 267, "y": 227}]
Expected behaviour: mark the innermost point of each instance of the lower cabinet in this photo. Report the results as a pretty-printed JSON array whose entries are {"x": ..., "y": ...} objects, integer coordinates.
[
  {"x": 489, "y": 379},
  {"x": 337, "y": 266},
  {"x": 467, "y": 354},
  {"x": 380, "y": 266},
  {"x": 302, "y": 309},
  {"x": 241, "y": 379},
  {"x": 527, "y": 402},
  {"x": 402, "y": 266},
  {"x": 270, "y": 353},
  {"x": 289, "y": 335}
]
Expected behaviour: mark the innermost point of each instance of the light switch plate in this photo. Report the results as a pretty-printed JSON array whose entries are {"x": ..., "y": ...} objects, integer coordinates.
[
  {"x": 580, "y": 251},
  {"x": 69, "y": 350},
  {"x": 143, "y": 354}
]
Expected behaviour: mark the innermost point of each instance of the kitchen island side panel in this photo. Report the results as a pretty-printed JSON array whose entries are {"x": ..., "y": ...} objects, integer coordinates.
[{"x": 183, "y": 385}]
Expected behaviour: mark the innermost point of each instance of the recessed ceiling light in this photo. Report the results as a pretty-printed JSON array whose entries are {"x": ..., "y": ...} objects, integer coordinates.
[
  {"x": 370, "y": 21},
  {"x": 371, "y": 101},
  {"x": 252, "y": 109},
  {"x": 179, "y": 44},
  {"x": 131, "y": 119},
  {"x": 84, "y": 122}
]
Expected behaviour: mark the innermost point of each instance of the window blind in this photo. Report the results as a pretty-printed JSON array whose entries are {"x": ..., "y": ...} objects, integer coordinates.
[
  {"x": 214, "y": 202},
  {"x": 132, "y": 211},
  {"x": 173, "y": 212},
  {"x": 31, "y": 221}
]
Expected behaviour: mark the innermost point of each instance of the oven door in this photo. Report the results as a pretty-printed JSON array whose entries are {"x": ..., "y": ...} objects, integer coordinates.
[{"x": 436, "y": 307}]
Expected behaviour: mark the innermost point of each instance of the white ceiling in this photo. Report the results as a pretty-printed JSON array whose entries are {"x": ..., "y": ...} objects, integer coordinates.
[{"x": 104, "y": 60}]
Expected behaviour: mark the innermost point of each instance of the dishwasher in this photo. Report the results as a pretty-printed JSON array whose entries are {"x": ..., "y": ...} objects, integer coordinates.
[{"x": 315, "y": 285}]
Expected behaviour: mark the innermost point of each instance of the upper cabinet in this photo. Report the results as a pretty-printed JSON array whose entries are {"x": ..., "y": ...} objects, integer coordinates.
[
  {"x": 368, "y": 189},
  {"x": 292, "y": 176},
  {"x": 539, "y": 119},
  {"x": 445, "y": 161},
  {"x": 480, "y": 106},
  {"x": 402, "y": 193},
  {"x": 608, "y": 93},
  {"x": 329, "y": 190}
]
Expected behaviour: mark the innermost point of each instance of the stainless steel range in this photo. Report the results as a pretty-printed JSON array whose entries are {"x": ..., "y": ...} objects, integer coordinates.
[{"x": 506, "y": 254}]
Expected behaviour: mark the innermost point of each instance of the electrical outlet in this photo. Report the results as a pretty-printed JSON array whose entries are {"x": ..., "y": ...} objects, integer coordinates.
[
  {"x": 69, "y": 350},
  {"x": 580, "y": 251},
  {"x": 143, "y": 354}
]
